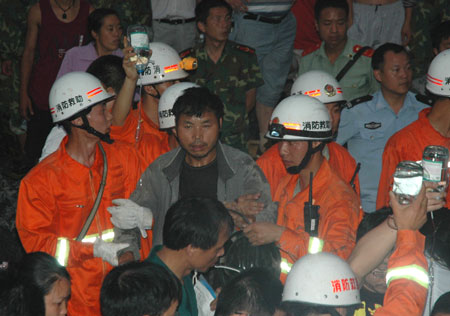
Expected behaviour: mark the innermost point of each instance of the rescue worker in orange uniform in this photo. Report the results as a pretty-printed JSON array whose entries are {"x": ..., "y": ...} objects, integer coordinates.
[
  {"x": 57, "y": 196},
  {"x": 432, "y": 128},
  {"x": 325, "y": 284},
  {"x": 303, "y": 126},
  {"x": 326, "y": 89},
  {"x": 163, "y": 70}
]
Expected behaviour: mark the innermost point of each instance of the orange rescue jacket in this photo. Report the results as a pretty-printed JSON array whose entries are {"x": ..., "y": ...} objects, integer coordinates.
[
  {"x": 56, "y": 197},
  {"x": 339, "y": 212},
  {"x": 407, "y": 144},
  {"x": 340, "y": 160}
]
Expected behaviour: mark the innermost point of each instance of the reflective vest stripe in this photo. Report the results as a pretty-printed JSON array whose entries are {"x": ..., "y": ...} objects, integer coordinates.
[
  {"x": 315, "y": 245},
  {"x": 63, "y": 245},
  {"x": 62, "y": 251},
  {"x": 412, "y": 272},
  {"x": 285, "y": 266}
]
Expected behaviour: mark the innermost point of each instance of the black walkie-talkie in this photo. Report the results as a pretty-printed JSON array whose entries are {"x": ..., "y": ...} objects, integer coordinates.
[{"x": 311, "y": 213}]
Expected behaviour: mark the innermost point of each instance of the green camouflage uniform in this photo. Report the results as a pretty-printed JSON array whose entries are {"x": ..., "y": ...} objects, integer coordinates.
[
  {"x": 13, "y": 24},
  {"x": 130, "y": 11},
  {"x": 426, "y": 15},
  {"x": 235, "y": 73}
]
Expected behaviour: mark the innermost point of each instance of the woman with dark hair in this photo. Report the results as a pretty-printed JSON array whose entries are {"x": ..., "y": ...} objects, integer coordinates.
[
  {"x": 38, "y": 285},
  {"x": 105, "y": 32}
]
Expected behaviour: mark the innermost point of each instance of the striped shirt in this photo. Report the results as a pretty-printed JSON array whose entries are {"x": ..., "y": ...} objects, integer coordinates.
[{"x": 273, "y": 8}]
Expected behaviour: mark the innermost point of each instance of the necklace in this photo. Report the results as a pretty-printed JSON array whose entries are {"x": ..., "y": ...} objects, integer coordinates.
[{"x": 64, "y": 16}]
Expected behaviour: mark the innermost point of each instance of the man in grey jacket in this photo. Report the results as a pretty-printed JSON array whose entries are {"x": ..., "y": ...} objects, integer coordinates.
[{"x": 201, "y": 167}]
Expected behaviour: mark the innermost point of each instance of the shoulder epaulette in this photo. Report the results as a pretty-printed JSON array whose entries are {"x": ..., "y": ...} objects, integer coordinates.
[
  {"x": 186, "y": 52},
  {"x": 244, "y": 48},
  {"x": 368, "y": 53},
  {"x": 311, "y": 50},
  {"x": 424, "y": 99},
  {"x": 357, "y": 101}
]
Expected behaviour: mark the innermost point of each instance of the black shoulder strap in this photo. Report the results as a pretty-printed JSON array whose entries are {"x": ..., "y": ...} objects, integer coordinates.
[
  {"x": 351, "y": 62},
  {"x": 357, "y": 101},
  {"x": 424, "y": 99}
]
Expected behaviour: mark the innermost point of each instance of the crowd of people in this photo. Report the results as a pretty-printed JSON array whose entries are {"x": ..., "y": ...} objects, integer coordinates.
[{"x": 139, "y": 195}]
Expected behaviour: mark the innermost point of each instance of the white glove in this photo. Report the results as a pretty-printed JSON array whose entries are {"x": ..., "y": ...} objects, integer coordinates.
[
  {"x": 128, "y": 215},
  {"x": 108, "y": 250}
]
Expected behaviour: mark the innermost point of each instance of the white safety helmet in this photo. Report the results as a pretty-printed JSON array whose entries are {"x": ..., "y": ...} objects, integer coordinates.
[
  {"x": 168, "y": 98},
  {"x": 438, "y": 76},
  {"x": 299, "y": 117},
  {"x": 164, "y": 65},
  {"x": 320, "y": 85},
  {"x": 73, "y": 93},
  {"x": 321, "y": 279}
]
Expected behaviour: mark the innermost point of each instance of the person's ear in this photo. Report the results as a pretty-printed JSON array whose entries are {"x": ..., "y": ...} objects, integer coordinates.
[
  {"x": 220, "y": 123},
  {"x": 94, "y": 35},
  {"x": 377, "y": 74},
  {"x": 77, "y": 122},
  {"x": 149, "y": 89},
  {"x": 174, "y": 131},
  {"x": 201, "y": 27}
]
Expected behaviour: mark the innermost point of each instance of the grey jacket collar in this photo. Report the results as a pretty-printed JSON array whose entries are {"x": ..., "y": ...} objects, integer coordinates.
[{"x": 173, "y": 167}]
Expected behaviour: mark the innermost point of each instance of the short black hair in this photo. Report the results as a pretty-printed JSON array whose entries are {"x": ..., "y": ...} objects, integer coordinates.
[
  {"x": 196, "y": 101},
  {"x": 324, "y": 4},
  {"x": 202, "y": 9},
  {"x": 442, "y": 305},
  {"x": 306, "y": 309},
  {"x": 24, "y": 285},
  {"x": 378, "y": 55},
  {"x": 196, "y": 222},
  {"x": 96, "y": 19},
  {"x": 109, "y": 70},
  {"x": 439, "y": 33},
  {"x": 372, "y": 220},
  {"x": 139, "y": 288},
  {"x": 255, "y": 291}
]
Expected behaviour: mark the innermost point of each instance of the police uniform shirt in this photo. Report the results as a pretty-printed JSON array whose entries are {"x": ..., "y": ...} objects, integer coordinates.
[
  {"x": 366, "y": 128},
  {"x": 359, "y": 79}
]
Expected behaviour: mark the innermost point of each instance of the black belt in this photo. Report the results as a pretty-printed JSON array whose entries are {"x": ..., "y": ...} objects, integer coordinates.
[
  {"x": 257, "y": 17},
  {"x": 175, "y": 22}
]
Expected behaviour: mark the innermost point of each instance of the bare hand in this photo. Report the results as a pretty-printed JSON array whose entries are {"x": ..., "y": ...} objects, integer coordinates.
[
  {"x": 237, "y": 5},
  {"x": 126, "y": 257},
  {"x": 262, "y": 233},
  {"x": 412, "y": 216},
  {"x": 25, "y": 107},
  {"x": 213, "y": 304},
  {"x": 7, "y": 67},
  {"x": 406, "y": 33},
  {"x": 129, "y": 66},
  {"x": 436, "y": 200},
  {"x": 248, "y": 205}
]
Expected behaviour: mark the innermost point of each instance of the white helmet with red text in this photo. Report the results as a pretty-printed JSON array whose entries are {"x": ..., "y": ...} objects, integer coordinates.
[
  {"x": 321, "y": 279},
  {"x": 73, "y": 93},
  {"x": 167, "y": 100},
  {"x": 299, "y": 117},
  {"x": 438, "y": 76},
  {"x": 164, "y": 65},
  {"x": 320, "y": 85}
]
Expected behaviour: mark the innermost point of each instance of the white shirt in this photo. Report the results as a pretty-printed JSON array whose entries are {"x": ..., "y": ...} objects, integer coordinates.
[{"x": 173, "y": 9}]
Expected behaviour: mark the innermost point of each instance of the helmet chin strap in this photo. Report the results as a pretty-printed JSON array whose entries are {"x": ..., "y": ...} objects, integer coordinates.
[
  {"x": 311, "y": 151},
  {"x": 158, "y": 95},
  {"x": 104, "y": 137}
]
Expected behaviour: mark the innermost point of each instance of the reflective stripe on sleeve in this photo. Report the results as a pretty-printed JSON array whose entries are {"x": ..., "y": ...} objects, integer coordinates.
[
  {"x": 62, "y": 251},
  {"x": 107, "y": 235},
  {"x": 412, "y": 272},
  {"x": 285, "y": 266},
  {"x": 315, "y": 245}
]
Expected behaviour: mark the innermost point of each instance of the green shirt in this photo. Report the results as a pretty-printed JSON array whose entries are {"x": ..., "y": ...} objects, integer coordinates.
[
  {"x": 357, "y": 82},
  {"x": 188, "y": 305},
  {"x": 235, "y": 73}
]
